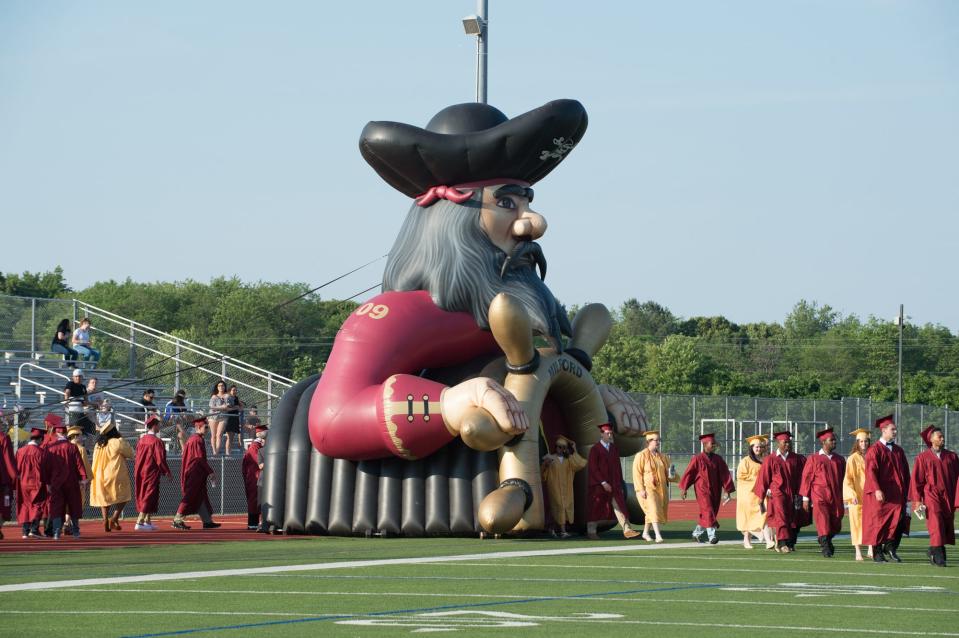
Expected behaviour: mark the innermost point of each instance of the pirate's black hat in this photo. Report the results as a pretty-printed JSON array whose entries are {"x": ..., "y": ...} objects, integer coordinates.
[{"x": 473, "y": 142}]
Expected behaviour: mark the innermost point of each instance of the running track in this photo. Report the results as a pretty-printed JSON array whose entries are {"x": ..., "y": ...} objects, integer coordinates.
[{"x": 92, "y": 535}]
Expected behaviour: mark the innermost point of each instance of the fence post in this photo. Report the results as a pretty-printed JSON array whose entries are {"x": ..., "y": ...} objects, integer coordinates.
[
  {"x": 222, "y": 481},
  {"x": 269, "y": 398},
  {"x": 842, "y": 410},
  {"x": 223, "y": 368},
  {"x": 133, "y": 351},
  {"x": 33, "y": 326},
  {"x": 76, "y": 314},
  {"x": 176, "y": 367},
  {"x": 694, "y": 426},
  {"x": 945, "y": 426}
]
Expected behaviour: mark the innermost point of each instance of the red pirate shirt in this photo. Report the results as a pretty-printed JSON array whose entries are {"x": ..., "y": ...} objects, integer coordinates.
[{"x": 370, "y": 401}]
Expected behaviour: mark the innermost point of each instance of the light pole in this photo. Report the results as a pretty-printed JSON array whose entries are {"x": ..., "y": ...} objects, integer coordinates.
[
  {"x": 900, "y": 320},
  {"x": 478, "y": 25}
]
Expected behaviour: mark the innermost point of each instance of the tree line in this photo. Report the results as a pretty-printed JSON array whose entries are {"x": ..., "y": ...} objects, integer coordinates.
[{"x": 815, "y": 352}]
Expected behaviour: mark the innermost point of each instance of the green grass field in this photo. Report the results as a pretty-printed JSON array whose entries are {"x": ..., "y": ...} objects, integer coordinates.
[{"x": 481, "y": 588}]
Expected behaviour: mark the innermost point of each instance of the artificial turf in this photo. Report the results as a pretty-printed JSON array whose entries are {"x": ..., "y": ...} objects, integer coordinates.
[{"x": 700, "y": 591}]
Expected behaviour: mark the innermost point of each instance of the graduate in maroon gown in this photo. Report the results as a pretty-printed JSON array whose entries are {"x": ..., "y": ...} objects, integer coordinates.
[
  {"x": 884, "y": 515},
  {"x": 821, "y": 490},
  {"x": 605, "y": 486},
  {"x": 252, "y": 466},
  {"x": 148, "y": 466},
  {"x": 708, "y": 473},
  {"x": 194, "y": 473},
  {"x": 935, "y": 474},
  {"x": 777, "y": 488},
  {"x": 8, "y": 478},
  {"x": 68, "y": 475},
  {"x": 33, "y": 474}
]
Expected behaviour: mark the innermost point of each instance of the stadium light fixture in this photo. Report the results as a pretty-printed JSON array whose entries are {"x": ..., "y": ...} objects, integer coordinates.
[{"x": 473, "y": 25}]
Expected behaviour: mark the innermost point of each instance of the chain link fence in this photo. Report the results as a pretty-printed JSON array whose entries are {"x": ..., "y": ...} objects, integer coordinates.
[
  {"x": 228, "y": 497},
  {"x": 682, "y": 418}
]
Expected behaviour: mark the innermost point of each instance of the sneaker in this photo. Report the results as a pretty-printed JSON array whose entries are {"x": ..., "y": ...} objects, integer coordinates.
[
  {"x": 211, "y": 525},
  {"x": 699, "y": 537},
  {"x": 143, "y": 527},
  {"x": 714, "y": 539},
  {"x": 179, "y": 525},
  {"x": 56, "y": 536},
  {"x": 252, "y": 528}
]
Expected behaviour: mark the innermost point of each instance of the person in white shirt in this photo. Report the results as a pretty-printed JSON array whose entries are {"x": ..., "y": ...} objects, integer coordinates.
[{"x": 81, "y": 343}]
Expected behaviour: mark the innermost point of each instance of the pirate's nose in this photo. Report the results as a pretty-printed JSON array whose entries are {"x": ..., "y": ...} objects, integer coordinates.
[{"x": 530, "y": 224}]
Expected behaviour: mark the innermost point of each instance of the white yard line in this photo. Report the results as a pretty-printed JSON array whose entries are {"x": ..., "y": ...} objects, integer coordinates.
[
  {"x": 420, "y": 620},
  {"x": 588, "y": 600},
  {"x": 892, "y": 570},
  {"x": 278, "y": 569},
  {"x": 165, "y": 612}
]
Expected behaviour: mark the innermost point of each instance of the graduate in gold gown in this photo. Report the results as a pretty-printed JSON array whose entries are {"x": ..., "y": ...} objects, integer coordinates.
[
  {"x": 852, "y": 486},
  {"x": 558, "y": 470},
  {"x": 111, "y": 485},
  {"x": 750, "y": 520},
  {"x": 652, "y": 472}
]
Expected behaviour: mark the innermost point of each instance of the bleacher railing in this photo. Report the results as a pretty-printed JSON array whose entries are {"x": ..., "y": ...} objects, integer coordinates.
[{"x": 136, "y": 351}]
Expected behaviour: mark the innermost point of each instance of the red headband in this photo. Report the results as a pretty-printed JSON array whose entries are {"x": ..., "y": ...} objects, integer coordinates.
[{"x": 461, "y": 192}]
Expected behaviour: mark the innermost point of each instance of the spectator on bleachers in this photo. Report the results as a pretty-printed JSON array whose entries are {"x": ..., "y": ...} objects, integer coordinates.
[
  {"x": 60, "y": 344},
  {"x": 149, "y": 407},
  {"x": 111, "y": 481},
  {"x": 251, "y": 421},
  {"x": 94, "y": 399},
  {"x": 75, "y": 397},
  {"x": 217, "y": 416},
  {"x": 232, "y": 428},
  {"x": 175, "y": 413},
  {"x": 81, "y": 343},
  {"x": 105, "y": 415}
]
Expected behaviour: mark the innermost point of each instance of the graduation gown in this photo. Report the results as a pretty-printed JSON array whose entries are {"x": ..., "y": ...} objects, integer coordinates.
[
  {"x": 8, "y": 476},
  {"x": 194, "y": 475},
  {"x": 33, "y": 473},
  {"x": 852, "y": 484},
  {"x": 709, "y": 474},
  {"x": 111, "y": 479},
  {"x": 67, "y": 470},
  {"x": 603, "y": 465},
  {"x": 748, "y": 516},
  {"x": 148, "y": 466},
  {"x": 886, "y": 469},
  {"x": 651, "y": 473},
  {"x": 822, "y": 479},
  {"x": 781, "y": 477},
  {"x": 934, "y": 481},
  {"x": 251, "y": 476}
]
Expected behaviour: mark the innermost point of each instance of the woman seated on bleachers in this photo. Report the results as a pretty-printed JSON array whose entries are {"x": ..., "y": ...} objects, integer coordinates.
[
  {"x": 81, "y": 343},
  {"x": 60, "y": 344}
]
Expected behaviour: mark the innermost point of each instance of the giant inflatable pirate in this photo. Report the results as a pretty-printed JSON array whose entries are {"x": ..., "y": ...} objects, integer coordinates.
[{"x": 429, "y": 414}]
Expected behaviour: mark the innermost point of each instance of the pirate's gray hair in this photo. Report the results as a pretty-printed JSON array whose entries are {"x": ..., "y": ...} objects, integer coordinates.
[{"x": 443, "y": 249}]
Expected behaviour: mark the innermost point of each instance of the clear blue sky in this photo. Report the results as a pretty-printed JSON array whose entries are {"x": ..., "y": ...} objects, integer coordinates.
[{"x": 740, "y": 156}]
